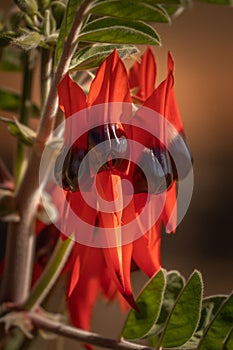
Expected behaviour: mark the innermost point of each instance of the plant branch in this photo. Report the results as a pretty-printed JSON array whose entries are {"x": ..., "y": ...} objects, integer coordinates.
[
  {"x": 46, "y": 73},
  {"x": 80, "y": 335},
  {"x": 29, "y": 60},
  {"x": 20, "y": 247},
  {"x": 50, "y": 110}
]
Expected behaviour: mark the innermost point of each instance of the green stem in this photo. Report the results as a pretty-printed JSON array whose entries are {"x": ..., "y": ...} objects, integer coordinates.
[
  {"x": 50, "y": 274},
  {"x": 25, "y": 111}
]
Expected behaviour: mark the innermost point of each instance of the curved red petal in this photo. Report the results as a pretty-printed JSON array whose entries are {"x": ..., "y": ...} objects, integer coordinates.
[
  {"x": 163, "y": 99},
  {"x": 118, "y": 260},
  {"x": 146, "y": 251},
  {"x": 111, "y": 82},
  {"x": 71, "y": 97},
  {"x": 81, "y": 302},
  {"x": 143, "y": 75}
]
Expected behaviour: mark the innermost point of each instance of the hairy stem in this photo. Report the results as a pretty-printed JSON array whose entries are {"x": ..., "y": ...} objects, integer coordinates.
[
  {"x": 19, "y": 253},
  {"x": 46, "y": 73},
  {"x": 81, "y": 335}
]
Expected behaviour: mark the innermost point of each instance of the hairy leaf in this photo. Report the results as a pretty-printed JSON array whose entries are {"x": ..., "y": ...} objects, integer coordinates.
[
  {"x": 174, "y": 285},
  {"x": 21, "y": 131},
  {"x": 115, "y": 30},
  {"x": 220, "y": 327},
  {"x": 28, "y": 41},
  {"x": 130, "y": 10},
  {"x": 149, "y": 304},
  {"x": 92, "y": 57},
  {"x": 184, "y": 317}
]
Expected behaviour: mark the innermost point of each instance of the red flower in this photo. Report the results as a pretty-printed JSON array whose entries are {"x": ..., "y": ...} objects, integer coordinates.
[{"x": 108, "y": 269}]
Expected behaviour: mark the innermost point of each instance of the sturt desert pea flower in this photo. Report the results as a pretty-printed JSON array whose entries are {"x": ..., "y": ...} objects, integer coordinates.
[{"x": 107, "y": 269}]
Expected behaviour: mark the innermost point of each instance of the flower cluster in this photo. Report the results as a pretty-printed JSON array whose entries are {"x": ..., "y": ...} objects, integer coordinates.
[{"x": 107, "y": 269}]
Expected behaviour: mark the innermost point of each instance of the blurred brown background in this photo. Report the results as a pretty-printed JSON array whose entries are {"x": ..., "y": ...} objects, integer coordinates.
[{"x": 200, "y": 40}]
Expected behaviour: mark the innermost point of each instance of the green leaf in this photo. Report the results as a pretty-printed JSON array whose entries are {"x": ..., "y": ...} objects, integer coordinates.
[
  {"x": 6, "y": 37},
  {"x": 228, "y": 345},
  {"x": 218, "y": 330},
  {"x": 67, "y": 21},
  {"x": 174, "y": 285},
  {"x": 28, "y": 41},
  {"x": 92, "y": 57},
  {"x": 115, "y": 30},
  {"x": 130, "y": 10},
  {"x": 21, "y": 131},
  {"x": 184, "y": 317},
  {"x": 149, "y": 304},
  {"x": 10, "y": 101},
  {"x": 28, "y": 6},
  {"x": 210, "y": 306}
]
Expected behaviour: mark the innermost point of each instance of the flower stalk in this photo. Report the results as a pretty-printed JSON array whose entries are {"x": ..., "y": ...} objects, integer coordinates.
[{"x": 83, "y": 336}]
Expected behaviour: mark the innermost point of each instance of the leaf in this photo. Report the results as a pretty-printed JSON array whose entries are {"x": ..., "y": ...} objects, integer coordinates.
[
  {"x": 28, "y": 41},
  {"x": 218, "y": 330},
  {"x": 92, "y": 57},
  {"x": 114, "y": 30},
  {"x": 228, "y": 345},
  {"x": 6, "y": 37},
  {"x": 210, "y": 307},
  {"x": 21, "y": 131},
  {"x": 149, "y": 304},
  {"x": 66, "y": 24},
  {"x": 8, "y": 212},
  {"x": 27, "y": 6},
  {"x": 174, "y": 285},
  {"x": 130, "y": 10},
  {"x": 184, "y": 317},
  {"x": 10, "y": 101}
]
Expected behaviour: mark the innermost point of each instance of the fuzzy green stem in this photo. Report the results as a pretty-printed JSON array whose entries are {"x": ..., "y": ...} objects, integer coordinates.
[{"x": 50, "y": 274}]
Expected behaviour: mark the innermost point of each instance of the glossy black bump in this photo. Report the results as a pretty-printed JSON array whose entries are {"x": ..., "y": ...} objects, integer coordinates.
[{"x": 154, "y": 173}]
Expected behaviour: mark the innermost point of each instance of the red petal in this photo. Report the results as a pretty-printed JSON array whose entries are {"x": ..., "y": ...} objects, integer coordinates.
[
  {"x": 84, "y": 296},
  {"x": 163, "y": 99},
  {"x": 143, "y": 75},
  {"x": 118, "y": 260},
  {"x": 148, "y": 246},
  {"x": 110, "y": 83},
  {"x": 170, "y": 222},
  {"x": 71, "y": 97}
]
